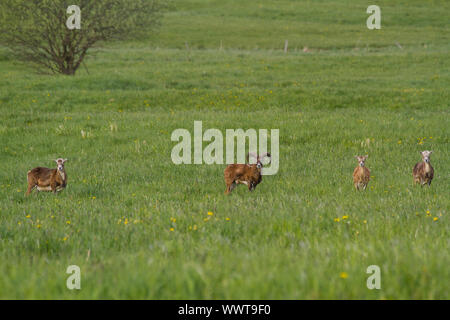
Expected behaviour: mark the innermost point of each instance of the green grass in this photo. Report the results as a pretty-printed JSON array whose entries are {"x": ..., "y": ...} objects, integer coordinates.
[{"x": 344, "y": 97}]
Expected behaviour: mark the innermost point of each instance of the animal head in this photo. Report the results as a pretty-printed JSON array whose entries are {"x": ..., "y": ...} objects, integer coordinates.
[
  {"x": 426, "y": 155},
  {"x": 361, "y": 160},
  {"x": 260, "y": 160},
  {"x": 60, "y": 163}
]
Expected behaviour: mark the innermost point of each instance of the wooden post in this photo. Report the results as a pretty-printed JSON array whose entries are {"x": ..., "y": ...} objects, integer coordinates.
[{"x": 188, "y": 51}]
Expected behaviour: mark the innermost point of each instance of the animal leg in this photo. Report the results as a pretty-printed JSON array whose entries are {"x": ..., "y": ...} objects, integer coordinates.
[
  {"x": 31, "y": 184},
  {"x": 53, "y": 186},
  {"x": 230, "y": 187},
  {"x": 30, "y": 188}
]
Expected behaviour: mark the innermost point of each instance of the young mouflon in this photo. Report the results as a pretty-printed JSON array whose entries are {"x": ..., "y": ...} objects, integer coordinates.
[
  {"x": 248, "y": 174},
  {"x": 361, "y": 174},
  {"x": 46, "y": 179},
  {"x": 423, "y": 172}
]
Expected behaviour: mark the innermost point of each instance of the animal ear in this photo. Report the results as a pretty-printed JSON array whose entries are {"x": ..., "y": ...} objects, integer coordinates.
[
  {"x": 64, "y": 160},
  {"x": 366, "y": 156},
  {"x": 431, "y": 152},
  {"x": 253, "y": 155},
  {"x": 264, "y": 156},
  {"x": 56, "y": 160}
]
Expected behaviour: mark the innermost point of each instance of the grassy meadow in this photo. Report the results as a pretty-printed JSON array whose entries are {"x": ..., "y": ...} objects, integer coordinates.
[{"x": 140, "y": 227}]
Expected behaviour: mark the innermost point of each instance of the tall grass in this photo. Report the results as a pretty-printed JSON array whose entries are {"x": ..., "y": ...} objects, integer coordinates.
[{"x": 138, "y": 225}]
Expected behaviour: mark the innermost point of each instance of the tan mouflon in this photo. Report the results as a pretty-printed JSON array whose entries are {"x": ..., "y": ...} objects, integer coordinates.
[
  {"x": 423, "y": 172},
  {"x": 248, "y": 174},
  {"x": 46, "y": 179},
  {"x": 361, "y": 174}
]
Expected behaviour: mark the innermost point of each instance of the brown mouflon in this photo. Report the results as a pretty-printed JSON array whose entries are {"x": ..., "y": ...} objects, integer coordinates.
[
  {"x": 423, "y": 172},
  {"x": 361, "y": 174},
  {"x": 46, "y": 179},
  {"x": 248, "y": 174}
]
